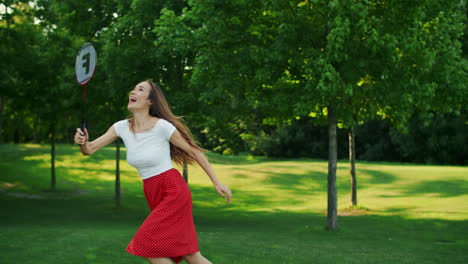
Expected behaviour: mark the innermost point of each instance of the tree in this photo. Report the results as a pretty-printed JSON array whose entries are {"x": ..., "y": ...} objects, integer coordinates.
[
  {"x": 34, "y": 68},
  {"x": 334, "y": 60}
]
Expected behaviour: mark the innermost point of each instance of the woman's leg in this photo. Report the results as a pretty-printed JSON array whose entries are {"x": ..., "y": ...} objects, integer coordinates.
[
  {"x": 159, "y": 260},
  {"x": 196, "y": 258}
]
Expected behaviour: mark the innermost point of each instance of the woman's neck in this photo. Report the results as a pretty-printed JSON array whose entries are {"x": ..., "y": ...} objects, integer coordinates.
[{"x": 141, "y": 120}]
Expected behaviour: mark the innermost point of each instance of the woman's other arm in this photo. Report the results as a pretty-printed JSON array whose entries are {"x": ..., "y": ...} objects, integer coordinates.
[{"x": 201, "y": 159}]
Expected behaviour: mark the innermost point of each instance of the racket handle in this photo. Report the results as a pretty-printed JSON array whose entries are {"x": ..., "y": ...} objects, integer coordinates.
[{"x": 83, "y": 125}]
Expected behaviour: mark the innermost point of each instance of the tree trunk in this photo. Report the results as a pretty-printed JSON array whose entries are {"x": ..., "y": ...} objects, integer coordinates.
[
  {"x": 180, "y": 69},
  {"x": 37, "y": 137},
  {"x": 332, "y": 163},
  {"x": 185, "y": 172},
  {"x": 17, "y": 132},
  {"x": 1, "y": 120},
  {"x": 53, "y": 178},
  {"x": 117, "y": 173},
  {"x": 352, "y": 163}
]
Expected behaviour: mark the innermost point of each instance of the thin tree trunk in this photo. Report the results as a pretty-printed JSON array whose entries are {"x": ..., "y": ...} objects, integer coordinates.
[
  {"x": 332, "y": 164},
  {"x": 179, "y": 66},
  {"x": 1, "y": 119},
  {"x": 53, "y": 176},
  {"x": 117, "y": 173},
  {"x": 352, "y": 163},
  {"x": 17, "y": 132},
  {"x": 185, "y": 172},
  {"x": 180, "y": 69}
]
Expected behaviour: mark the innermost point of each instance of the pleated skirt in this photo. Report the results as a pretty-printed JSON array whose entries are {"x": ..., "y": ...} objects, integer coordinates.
[{"x": 169, "y": 230}]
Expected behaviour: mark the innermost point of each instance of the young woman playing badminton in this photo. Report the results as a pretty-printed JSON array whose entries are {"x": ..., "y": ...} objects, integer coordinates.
[{"x": 152, "y": 136}]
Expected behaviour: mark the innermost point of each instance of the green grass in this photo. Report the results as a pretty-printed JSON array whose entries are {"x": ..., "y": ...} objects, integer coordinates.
[{"x": 407, "y": 213}]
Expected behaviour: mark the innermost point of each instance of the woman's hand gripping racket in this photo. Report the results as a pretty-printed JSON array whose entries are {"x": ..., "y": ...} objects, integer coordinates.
[{"x": 81, "y": 136}]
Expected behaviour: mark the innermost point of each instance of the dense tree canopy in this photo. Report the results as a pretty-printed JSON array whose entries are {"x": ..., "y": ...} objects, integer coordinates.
[{"x": 243, "y": 73}]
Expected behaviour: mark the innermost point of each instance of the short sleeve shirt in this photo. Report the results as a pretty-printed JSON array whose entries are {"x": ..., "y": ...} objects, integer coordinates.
[{"x": 149, "y": 152}]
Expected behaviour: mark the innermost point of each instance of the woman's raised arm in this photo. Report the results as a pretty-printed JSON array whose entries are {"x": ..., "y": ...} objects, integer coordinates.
[{"x": 88, "y": 148}]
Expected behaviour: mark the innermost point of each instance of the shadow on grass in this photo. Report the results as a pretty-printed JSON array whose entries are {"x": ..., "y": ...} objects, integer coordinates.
[
  {"x": 23, "y": 175},
  {"x": 442, "y": 188},
  {"x": 295, "y": 182},
  {"x": 26, "y": 168},
  {"x": 316, "y": 179},
  {"x": 298, "y": 182},
  {"x": 217, "y": 216},
  {"x": 378, "y": 177},
  {"x": 246, "y": 159}
]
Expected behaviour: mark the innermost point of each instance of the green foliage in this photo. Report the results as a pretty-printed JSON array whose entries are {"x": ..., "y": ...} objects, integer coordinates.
[
  {"x": 239, "y": 71},
  {"x": 34, "y": 89},
  {"x": 300, "y": 138},
  {"x": 442, "y": 141},
  {"x": 274, "y": 60}
]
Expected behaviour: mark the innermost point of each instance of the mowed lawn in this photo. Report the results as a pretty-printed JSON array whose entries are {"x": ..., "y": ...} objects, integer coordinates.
[{"x": 407, "y": 214}]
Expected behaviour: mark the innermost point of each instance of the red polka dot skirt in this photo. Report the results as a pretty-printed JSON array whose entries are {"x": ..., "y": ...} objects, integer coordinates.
[{"x": 169, "y": 230}]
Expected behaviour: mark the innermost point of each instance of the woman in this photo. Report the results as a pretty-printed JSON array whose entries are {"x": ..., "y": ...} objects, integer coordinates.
[{"x": 152, "y": 136}]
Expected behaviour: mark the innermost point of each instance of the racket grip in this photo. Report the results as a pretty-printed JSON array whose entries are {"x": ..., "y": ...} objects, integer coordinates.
[{"x": 83, "y": 125}]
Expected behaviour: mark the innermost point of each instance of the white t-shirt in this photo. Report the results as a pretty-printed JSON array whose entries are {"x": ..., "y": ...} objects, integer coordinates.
[{"x": 149, "y": 151}]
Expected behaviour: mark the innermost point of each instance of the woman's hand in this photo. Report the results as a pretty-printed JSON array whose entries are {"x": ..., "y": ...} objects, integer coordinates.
[
  {"x": 81, "y": 137},
  {"x": 224, "y": 191}
]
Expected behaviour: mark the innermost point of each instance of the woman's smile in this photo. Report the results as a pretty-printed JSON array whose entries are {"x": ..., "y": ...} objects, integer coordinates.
[{"x": 138, "y": 96}]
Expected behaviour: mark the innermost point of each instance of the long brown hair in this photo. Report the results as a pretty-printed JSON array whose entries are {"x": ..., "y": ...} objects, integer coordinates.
[{"x": 160, "y": 108}]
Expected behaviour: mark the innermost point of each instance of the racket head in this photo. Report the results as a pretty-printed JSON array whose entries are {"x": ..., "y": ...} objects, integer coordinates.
[{"x": 85, "y": 63}]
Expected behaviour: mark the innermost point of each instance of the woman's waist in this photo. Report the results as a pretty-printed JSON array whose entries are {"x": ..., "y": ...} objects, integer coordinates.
[{"x": 151, "y": 175}]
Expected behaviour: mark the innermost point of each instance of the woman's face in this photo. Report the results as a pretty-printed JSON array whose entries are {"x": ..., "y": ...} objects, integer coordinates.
[{"x": 138, "y": 98}]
